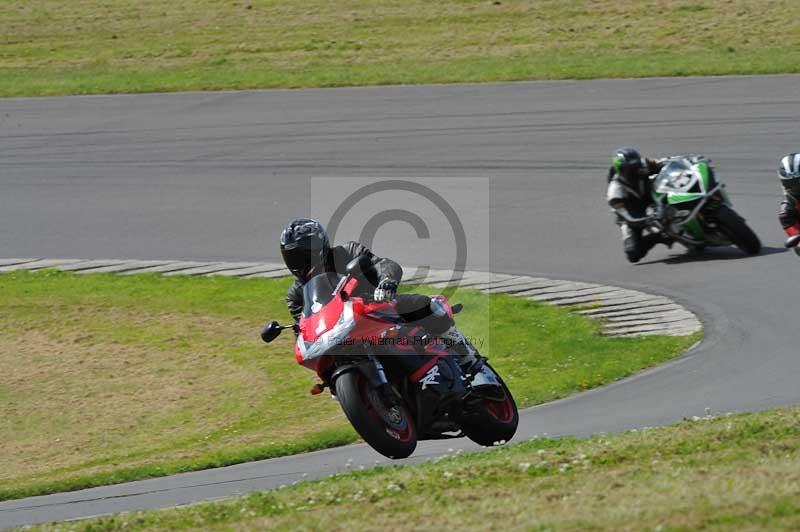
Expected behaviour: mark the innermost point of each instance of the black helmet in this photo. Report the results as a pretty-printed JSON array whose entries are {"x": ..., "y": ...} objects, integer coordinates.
[
  {"x": 789, "y": 172},
  {"x": 304, "y": 246},
  {"x": 627, "y": 163}
]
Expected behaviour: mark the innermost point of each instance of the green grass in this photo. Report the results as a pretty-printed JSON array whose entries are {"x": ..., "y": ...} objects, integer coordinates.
[
  {"x": 114, "y": 378},
  {"x": 739, "y": 472},
  {"x": 92, "y": 46}
]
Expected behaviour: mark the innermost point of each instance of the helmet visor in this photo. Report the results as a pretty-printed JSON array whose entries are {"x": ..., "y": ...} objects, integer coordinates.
[{"x": 305, "y": 258}]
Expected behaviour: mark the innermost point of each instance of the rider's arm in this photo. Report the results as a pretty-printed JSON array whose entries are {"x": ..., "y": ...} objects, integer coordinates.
[
  {"x": 386, "y": 268},
  {"x": 787, "y": 213},
  {"x": 654, "y": 166},
  {"x": 615, "y": 195},
  {"x": 294, "y": 300}
]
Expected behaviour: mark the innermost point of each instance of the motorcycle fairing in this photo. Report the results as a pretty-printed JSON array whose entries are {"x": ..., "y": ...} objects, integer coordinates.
[
  {"x": 682, "y": 181},
  {"x": 322, "y": 338}
]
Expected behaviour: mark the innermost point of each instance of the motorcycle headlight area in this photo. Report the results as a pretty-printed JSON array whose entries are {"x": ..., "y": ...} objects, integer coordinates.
[{"x": 336, "y": 336}]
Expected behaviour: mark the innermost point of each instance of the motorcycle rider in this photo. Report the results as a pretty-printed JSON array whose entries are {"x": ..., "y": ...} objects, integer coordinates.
[
  {"x": 307, "y": 252},
  {"x": 788, "y": 212},
  {"x": 630, "y": 193}
]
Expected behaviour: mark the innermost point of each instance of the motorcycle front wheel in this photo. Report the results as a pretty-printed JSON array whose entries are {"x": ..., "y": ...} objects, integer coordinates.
[
  {"x": 389, "y": 429},
  {"x": 492, "y": 421},
  {"x": 738, "y": 231}
]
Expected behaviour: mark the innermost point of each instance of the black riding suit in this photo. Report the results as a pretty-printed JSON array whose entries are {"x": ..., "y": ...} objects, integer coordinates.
[
  {"x": 789, "y": 214},
  {"x": 634, "y": 197},
  {"x": 413, "y": 308}
]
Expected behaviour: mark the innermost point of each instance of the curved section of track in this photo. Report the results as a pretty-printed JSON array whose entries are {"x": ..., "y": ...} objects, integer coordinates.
[
  {"x": 211, "y": 174},
  {"x": 623, "y": 312}
]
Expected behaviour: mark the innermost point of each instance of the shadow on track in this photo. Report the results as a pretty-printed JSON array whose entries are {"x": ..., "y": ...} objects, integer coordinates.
[{"x": 711, "y": 254}]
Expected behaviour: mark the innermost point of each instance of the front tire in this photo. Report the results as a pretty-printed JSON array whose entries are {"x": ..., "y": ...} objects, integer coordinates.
[
  {"x": 388, "y": 429},
  {"x": 491, "y": 421},
  {"x": 738, "y": 231}
]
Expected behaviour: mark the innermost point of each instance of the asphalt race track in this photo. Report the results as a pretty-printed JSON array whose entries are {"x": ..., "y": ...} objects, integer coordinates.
[{"x": 215, "y": 176}]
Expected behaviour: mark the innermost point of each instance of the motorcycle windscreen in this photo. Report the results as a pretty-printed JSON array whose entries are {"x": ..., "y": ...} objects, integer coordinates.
[
  {"x": 680, "y": 181},
  {"x": 318, "y": 292}
]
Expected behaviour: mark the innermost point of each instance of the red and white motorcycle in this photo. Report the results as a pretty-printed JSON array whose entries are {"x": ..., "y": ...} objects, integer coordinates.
[{"x": 395, "y": 383}]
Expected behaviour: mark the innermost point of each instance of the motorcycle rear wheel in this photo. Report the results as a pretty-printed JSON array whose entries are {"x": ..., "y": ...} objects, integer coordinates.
[
  {"x": 388, "y": 429},
  {"x": 738, "y": 231},
  {"x": 492, "y": 422}
]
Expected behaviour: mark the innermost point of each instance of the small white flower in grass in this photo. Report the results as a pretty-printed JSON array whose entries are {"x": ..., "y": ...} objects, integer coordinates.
[
  {"x": 361, "y": 467},
  {"x": 447, "y": 474},
  {"x": 582, "y": 457},
  {"x": 563, "y": 468},
  {"x": 524, "y": 465},
  {"x": 540, "y": 452}
]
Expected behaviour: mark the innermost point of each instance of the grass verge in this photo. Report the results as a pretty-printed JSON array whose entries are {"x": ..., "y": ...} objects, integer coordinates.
[
  {"x": 115, "y": 378},
  {"x": 721, "y": 473},
  {"x": 54, "y": 47}
]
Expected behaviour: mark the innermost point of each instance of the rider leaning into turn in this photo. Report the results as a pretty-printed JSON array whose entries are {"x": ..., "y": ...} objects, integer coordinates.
[
  {"x": 789, "y": 211},
  {"x": 630, "y": 193},
  {"x": 307, "y": 252}
]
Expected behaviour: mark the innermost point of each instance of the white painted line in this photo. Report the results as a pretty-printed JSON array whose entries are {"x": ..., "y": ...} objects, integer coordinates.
[
  {"x": 128, "y": 265},
  {"x": 513, "y": 281},
  {"x": 9, "y": 262},
  {"x": 594, "y": 293},
  {"x": 665, "y": 315},
  {"x": 40, "y": 264},
  {"x": 666, "y": 321},
  {"x": 521, "y": 289},
  {"x": 88, "y": 265},
  {"x": 643, "y": 307},
  {"x": 258, "y": 268},
  {"x": 169, "y": 267},
  {"x": 269, "y": 275},
  {"x": 213, "y": 267}
]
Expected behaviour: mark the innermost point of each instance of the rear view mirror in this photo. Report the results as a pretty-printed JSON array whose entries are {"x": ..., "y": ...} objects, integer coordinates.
[{"x": 271, "y": 331}]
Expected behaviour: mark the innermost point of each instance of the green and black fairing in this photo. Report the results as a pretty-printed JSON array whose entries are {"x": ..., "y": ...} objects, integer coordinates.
[{"x": 688, "y": 194}]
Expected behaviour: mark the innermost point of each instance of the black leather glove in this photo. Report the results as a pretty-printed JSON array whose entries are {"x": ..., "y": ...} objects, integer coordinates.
[{"x": 386, "y": 290}]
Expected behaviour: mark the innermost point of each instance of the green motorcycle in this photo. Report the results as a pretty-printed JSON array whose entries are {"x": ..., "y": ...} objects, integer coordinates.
[{"x": 693, "y": 208}]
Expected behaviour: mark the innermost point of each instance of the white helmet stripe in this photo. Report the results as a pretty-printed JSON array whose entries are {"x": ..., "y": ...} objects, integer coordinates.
[
  {"x": 790, "y": 166},
  {"x": 787, "y": 165}
]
